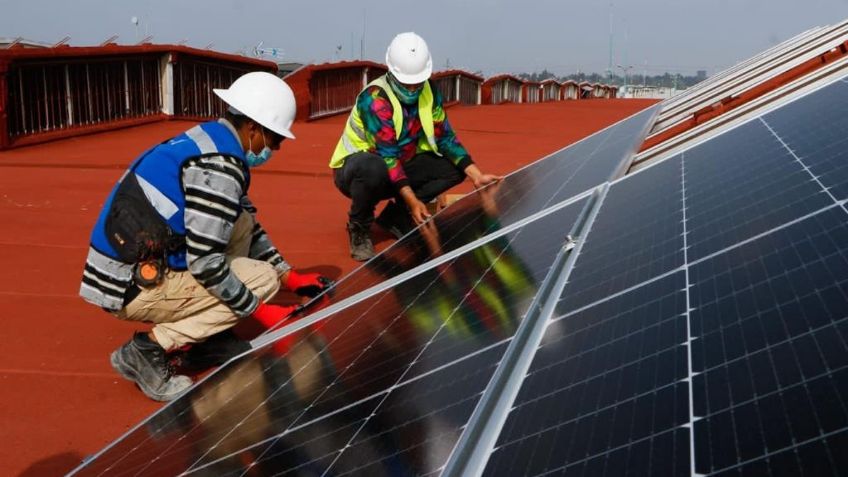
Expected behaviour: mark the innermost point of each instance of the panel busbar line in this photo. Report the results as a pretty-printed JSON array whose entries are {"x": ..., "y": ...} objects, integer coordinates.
[{"x": 403, "y": 368}]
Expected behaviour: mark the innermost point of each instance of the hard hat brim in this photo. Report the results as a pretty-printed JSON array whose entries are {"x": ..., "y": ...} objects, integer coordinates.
[
  {"x": 413, "y": 79},
  {"x": 228, "y": 98}
]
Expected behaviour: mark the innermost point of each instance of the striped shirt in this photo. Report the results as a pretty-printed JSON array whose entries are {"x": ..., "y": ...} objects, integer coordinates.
[{"x": 215, "y": 195}]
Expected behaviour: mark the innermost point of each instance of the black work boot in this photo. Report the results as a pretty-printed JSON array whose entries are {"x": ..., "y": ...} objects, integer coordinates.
[
  {"x": 361, "y": 248},
  {"x": 144, "y": 362},
  {"x": 395, "y": 219},
  {"x": 215, "y": 351}
]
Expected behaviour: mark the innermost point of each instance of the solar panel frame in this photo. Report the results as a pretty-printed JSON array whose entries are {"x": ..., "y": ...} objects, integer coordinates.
[
  {"x": 795, "y": 53},
  {"x": 771, "y": 101}
]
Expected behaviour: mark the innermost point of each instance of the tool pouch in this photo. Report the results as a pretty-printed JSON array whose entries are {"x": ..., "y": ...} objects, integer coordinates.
[{"x": 134, "y": 228}]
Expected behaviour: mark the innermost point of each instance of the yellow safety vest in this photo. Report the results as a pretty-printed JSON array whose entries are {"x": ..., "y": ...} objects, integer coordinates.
[{"x": 355, "y": 140}]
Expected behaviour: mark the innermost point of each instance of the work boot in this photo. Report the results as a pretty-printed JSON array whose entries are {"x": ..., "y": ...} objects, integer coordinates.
[
  {"x": 361, "y": 248},
  {"x": 144, "y": 362},
  {"x": 395, "y": 219},
  {"x": 215, "y": 351}
]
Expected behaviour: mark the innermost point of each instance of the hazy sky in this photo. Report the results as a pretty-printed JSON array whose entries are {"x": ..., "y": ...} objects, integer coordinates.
[{"x": 566, "y": 36}]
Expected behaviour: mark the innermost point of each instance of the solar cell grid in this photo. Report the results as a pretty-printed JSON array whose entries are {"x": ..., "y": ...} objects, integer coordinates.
[
  {"x": 764, "y": 302},
  {"x": 625, "y": 249},
  {"x": 771, "y": 349},
  {"x": 743, "y": 183},
  {"x": 814, "y": 129},
  {"x": 605, "y": 378}
]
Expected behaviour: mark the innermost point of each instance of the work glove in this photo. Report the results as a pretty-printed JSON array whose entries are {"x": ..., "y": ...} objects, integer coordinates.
[
  {"x": 271, "y": 315},
  {"x": 307, "y": 284}
]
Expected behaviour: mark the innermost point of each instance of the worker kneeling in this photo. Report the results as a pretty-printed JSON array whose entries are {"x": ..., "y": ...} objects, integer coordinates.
[
  {"x": 397, "y": 144},
  {"x": 177, "y": 243}
]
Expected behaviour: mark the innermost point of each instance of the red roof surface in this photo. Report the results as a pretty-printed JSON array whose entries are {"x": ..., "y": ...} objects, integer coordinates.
[{"x": 59, "y": 399}]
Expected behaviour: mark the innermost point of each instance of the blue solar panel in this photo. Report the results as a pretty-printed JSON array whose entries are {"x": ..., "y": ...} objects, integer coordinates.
[
  {"x": 606, "y": 384},
  {"x": 770, "y": 318},
  {"x": 637, "y": 235},
  {"x": 741, "y": 184},
  {"x": 744, "y": 369}
]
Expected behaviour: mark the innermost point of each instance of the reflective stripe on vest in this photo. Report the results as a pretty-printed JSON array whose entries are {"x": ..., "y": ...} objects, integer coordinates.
[
  {"x": 354, "y": 138},
  {"x": 159, "y": 171}
]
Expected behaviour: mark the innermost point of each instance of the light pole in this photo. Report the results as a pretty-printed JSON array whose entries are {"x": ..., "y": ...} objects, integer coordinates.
[
  {"x": 134, "y": 21},
  {"x": 624, "y": 70}
]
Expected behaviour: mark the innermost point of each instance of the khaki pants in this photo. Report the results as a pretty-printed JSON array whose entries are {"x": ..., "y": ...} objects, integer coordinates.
[{"x": 184, "y": 312}]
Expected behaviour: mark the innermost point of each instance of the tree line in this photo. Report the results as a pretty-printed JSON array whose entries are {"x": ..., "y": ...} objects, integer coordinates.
[{"x": 668, "y": 80}]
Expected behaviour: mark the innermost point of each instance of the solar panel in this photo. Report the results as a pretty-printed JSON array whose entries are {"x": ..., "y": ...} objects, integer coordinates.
[
  {"x": 636, "y": 236},
  {"x": 743, "y": 184},
  {"x": 771, "y": 358},
  {"x": 728, "y": 360},
  {"x": 822, "y": 149},
  {"x": 528, "y": 191},
  {"x": 605, "y": 391},
  {"x": 387, "y": 383}
]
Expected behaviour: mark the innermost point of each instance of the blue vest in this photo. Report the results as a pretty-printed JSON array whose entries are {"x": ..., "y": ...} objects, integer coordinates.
[{"x": 159, "y": 172}]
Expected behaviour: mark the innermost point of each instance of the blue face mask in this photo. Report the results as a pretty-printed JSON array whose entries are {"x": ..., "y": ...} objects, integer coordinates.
[
  {"x": 404, "y": 95},
  {"x": 256, "y": 160}
]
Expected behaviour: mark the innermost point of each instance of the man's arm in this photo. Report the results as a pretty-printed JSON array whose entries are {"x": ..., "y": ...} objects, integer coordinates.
[
  {"x": 450, "y": 147},
  {"x": 213, "y": 189},
  {"x": 261, "y": 247}
]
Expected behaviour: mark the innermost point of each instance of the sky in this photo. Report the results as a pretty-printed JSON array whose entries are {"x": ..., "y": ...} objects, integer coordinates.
[{"x": 495, "y": 36}]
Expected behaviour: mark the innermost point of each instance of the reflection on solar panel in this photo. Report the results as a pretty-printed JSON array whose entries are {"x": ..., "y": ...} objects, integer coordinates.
[
  {"x": 689, "y": 319},
  {"x": 387, "y": 383},
  {"x": 530, "y": 190}
]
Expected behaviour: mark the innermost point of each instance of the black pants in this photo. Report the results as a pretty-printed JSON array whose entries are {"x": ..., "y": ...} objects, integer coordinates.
[{"x": 365, "y": 180}]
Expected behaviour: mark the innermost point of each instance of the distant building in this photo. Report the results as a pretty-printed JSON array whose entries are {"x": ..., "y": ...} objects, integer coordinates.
[
  {"x": 701, "y": 75},
  {"x": 283, "y": 69}
]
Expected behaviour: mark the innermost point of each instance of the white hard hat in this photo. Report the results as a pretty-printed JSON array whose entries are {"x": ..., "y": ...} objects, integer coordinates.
[
  {"x": 264, "y": 98},
  {"x": 408, "y": 58}
]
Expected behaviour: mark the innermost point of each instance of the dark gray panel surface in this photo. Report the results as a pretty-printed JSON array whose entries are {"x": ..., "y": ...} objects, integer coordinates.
[
  {"x": 816, "y": 128},
  {"x": 637, "y": 235},
  {"x": 770, "y": 320},
  {"x": 402, "y": 368},
  {"x": 606, "y": 392},
  {"x": 743, "y": 183}
]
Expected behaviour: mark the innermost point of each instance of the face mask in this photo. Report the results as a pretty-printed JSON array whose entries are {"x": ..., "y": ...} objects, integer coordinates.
[
  {"x": 256, "y": 160},
  {"x": 404, "y": 95}
]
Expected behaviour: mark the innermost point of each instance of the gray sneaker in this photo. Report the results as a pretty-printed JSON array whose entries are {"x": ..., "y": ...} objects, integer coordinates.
[
  {"x": 144, "y": 362},
  {"x": 361, "y": 248}
]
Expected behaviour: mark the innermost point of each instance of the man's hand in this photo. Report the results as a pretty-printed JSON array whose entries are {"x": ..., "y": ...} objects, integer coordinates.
[
  {"x": 485, "y": 179},
  {"x": 478, "y": 178},
  {"x": 271, "y": 315},
  {"x": 441, "y": 202},
  {"x": 306, "y": 284},
  {"x": 417, "y": 209}
]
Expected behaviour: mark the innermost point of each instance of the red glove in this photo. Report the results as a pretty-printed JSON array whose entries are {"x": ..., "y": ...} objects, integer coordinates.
[
  {"x": 307, "y": 284},
  {"x": 270, "y": 315}
]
